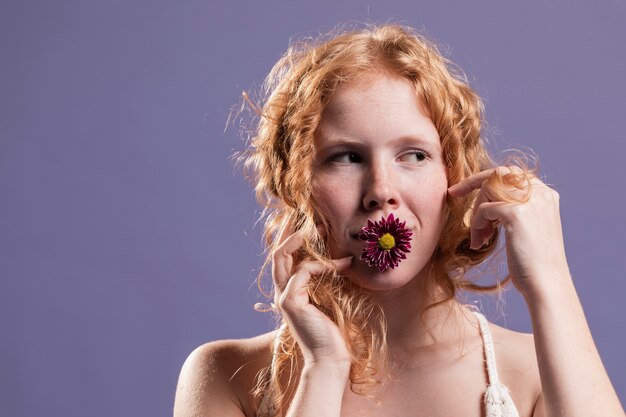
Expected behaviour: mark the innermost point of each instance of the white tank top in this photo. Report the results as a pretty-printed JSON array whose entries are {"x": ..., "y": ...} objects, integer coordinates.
[{"x": 497, "y": 398}]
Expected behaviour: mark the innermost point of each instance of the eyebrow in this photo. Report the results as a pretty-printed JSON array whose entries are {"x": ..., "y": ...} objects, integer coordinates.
[{"x": 404, "y": 139}]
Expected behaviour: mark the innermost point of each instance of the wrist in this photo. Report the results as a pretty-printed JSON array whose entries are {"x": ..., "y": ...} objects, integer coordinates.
[
  {"x": 550, "y": 287},
  {"x": 327, "y": 369}
]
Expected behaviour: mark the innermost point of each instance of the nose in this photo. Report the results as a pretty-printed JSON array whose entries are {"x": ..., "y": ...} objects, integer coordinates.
[{"x": 380, "y": 189}]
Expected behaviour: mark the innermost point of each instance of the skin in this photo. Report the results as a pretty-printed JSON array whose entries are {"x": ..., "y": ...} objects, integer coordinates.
[
  {"x": 378, "y": 147},
  {"x": 377, "y": 152}
]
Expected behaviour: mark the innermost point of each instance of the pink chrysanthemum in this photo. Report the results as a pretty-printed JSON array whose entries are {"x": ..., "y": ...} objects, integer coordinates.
[{"x": 386, "y": 242}]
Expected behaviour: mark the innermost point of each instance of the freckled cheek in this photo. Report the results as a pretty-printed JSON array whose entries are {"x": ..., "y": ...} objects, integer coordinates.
[
  {"x": 439, "y": 201},
  {"x": 424, "y": 185},
  {"x": 335, "y": 199},
  {"x": 428, "y": 197},
  {"x": 328, "y": 187}
]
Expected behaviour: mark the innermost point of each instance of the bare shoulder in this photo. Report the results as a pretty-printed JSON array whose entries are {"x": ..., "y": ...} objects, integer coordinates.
[
  {"x": 217, "y": 377},
  {"x": 518, "y": 348},
  {"x": 517, "y": 364}
]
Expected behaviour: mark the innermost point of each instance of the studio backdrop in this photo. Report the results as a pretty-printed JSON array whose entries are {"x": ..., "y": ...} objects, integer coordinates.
[{"x": 128, "y": 237}]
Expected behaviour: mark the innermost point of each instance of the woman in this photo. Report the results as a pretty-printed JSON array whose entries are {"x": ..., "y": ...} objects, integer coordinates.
[{"x": 379, "y": 195}]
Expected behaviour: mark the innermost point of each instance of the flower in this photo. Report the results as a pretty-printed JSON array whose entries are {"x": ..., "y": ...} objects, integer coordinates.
[{"x": 387, "y": 242}]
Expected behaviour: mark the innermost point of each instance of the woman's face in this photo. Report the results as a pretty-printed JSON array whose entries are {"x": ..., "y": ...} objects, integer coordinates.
[{"x": 376, "y": 152}]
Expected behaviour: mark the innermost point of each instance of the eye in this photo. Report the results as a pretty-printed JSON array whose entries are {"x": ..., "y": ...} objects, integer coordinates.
[
  {"x": 347, "y": 157},
  {"x": 415, "y": 155}
]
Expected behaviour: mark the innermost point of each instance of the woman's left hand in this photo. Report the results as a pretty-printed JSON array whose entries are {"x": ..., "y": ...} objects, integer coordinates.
[{"x": 534, "y": 238}]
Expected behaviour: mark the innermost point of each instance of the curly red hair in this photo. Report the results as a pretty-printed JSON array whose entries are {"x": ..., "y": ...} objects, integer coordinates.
[{"x": 279, "y": 159}]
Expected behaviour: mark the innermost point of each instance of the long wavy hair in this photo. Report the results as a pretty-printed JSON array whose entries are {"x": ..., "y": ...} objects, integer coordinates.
[{"x": 278, "y": 160}]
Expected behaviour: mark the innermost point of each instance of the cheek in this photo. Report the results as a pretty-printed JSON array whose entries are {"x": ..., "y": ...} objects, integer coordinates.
[
  {"x": 332, "y": 205},
  {"x": 335, "y": 204},
  {"x": 428, "y": 197},
  {"x": 332, "y": 193},
  {"x": 438, "y": 201},
  {"x": 427, "y": 186}
]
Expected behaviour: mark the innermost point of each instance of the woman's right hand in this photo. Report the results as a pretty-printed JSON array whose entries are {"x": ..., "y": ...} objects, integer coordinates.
[{"x": 319, "y": 338}]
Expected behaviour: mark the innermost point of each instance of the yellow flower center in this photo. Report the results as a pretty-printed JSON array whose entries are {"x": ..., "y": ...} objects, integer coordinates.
[{"x": 386, "y": 242}]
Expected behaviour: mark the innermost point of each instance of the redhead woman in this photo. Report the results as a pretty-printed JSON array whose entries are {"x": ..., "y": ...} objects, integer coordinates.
[{"x": 379, "y": 195}]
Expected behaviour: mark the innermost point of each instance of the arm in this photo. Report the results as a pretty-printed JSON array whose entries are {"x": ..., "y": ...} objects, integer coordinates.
[
  {"x": 320, "y": 391},
  {"x": 206, "y": 387},
  {"x": 573, "y": 380},
  {"x": 326, "y": 357}
]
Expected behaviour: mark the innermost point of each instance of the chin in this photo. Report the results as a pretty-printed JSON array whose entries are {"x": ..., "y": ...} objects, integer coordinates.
[{"x": 372, "y": 279}]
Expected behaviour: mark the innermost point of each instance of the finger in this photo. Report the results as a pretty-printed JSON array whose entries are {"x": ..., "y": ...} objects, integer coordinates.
[
  {"x": 343, "y": 263},
  {"x": 470, "y": 183},
  {"x": 295, "y": 290},
  {"x": 476, "y": 181},
  {"x": 484, "y": 215},
  {"x": 316, "y": 268},
  {"x": 282, "y": 260},
  {"x": 480, "y": 230}
]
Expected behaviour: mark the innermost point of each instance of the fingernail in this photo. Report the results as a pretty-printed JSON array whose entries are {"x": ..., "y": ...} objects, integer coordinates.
[{"x": 347, "y": 259}]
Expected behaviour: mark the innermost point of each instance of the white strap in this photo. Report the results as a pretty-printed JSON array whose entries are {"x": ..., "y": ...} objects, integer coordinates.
[
  {"x": 498, "y": 401},
  {"x": 490, "y": 355}
]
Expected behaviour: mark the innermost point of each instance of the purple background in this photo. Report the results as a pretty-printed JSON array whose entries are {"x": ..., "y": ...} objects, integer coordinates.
[{"x": 127, "y": 238}]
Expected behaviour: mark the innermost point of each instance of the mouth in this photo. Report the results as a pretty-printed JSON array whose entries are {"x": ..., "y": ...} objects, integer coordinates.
[
  {"x": 387, "y": 241},
  {"x": 355, "y": 236}
]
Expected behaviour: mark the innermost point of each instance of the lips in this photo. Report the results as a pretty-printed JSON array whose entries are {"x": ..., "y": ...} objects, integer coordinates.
[
  {"x": 356, "y": 234},
  {"x": 387, "y": 241}
]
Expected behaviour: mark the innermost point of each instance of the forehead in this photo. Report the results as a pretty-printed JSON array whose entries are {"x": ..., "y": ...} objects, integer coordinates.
[{"x": 376, "y": 106}]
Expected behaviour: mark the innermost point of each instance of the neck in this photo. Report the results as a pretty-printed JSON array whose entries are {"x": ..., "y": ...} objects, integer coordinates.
[{"x": 409, "y": 331}]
